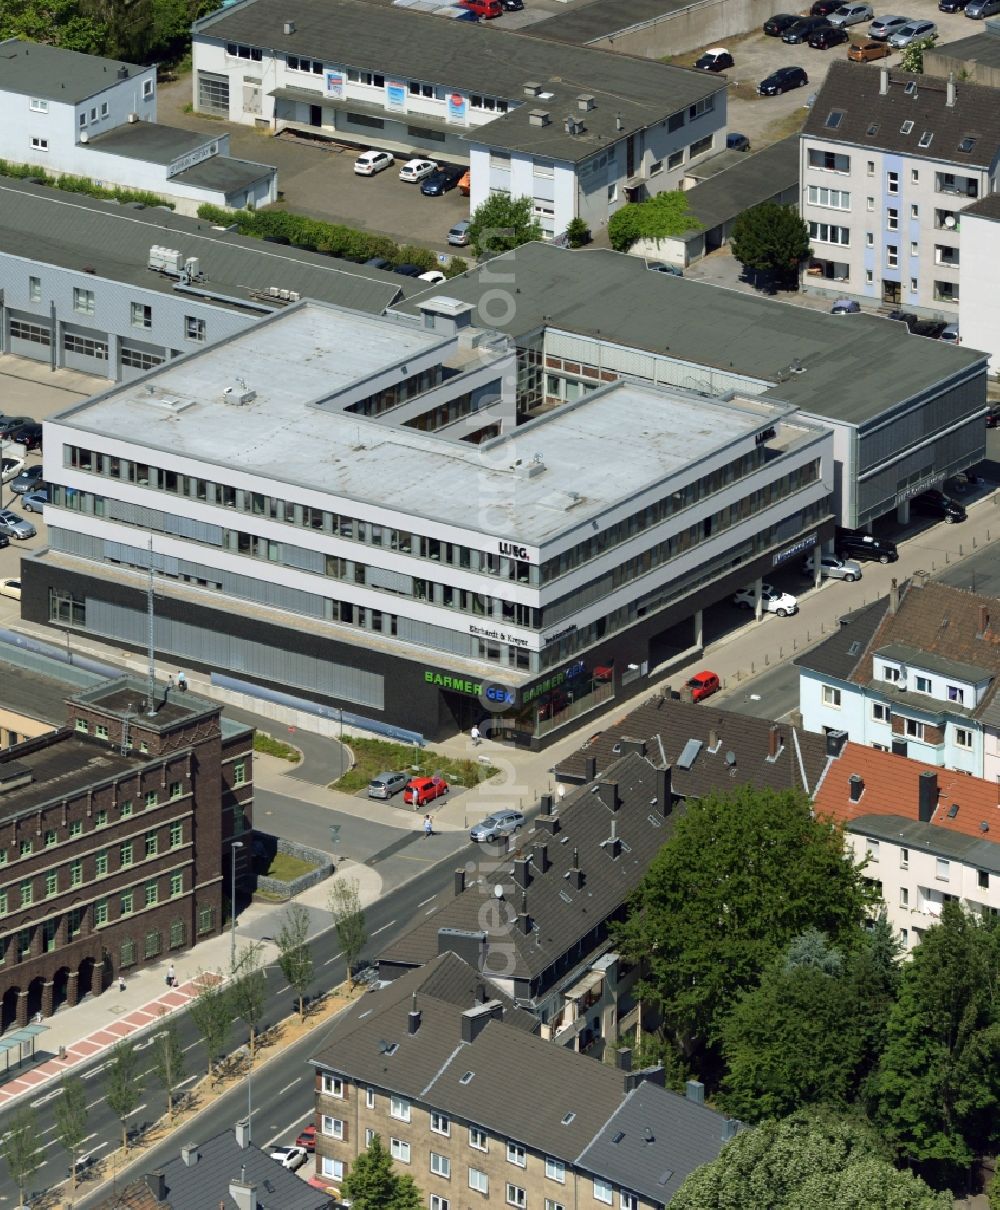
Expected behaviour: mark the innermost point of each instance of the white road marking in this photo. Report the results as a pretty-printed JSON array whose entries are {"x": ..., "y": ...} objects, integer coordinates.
[
  {"x": 282, "y": 1091},
  {"x": 427, "y": 900},
  {"x": 383, "y": 928}
]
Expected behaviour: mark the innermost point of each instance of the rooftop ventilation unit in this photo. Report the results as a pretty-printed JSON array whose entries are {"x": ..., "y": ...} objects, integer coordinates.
[
  {"x": 539, "y": 117},
  {"x": 288, "y": 28}
]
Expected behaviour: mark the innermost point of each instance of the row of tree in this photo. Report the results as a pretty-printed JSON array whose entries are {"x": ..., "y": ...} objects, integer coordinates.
[{"x": 780, "y": 987}]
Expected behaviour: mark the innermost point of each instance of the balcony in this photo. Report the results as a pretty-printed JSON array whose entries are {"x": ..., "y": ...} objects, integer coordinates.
[
  {"x": 946, "y": 220},
  {"x": 945, "y": 256},
  {"x": 958, "y": 186},
  {"x": 829, "y": 270}
]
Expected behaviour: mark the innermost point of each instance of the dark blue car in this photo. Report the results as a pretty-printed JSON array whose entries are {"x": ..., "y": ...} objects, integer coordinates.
[{"x": 441, "y": 181}]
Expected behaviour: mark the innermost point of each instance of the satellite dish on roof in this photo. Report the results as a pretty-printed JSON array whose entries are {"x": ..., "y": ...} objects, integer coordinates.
[{"x": 730, "y": 757}]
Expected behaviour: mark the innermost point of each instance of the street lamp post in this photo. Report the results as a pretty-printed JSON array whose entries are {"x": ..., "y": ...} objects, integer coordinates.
[{"x": 236, "y": 844}]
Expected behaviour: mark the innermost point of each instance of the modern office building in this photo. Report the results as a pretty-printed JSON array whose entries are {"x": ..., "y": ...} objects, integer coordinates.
[
  {"x": 114, "y": 837},
  {"x": 479, "y": 1111},
  {"x": 340, "y": 505},
  {"x": 118, "y": 290},
  {"x": 889, "y": 162},
  {"x": 581, "y": 132},
  {"x": 82, "y": 115},
  {"x": 905, "y": 412}
]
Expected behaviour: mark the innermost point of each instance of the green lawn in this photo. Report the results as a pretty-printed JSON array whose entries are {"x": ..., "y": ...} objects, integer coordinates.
[
  {"x": 373, "y": 756},
  {"x": 285, "y": 868},
  {"x": 262, "y": 742}
]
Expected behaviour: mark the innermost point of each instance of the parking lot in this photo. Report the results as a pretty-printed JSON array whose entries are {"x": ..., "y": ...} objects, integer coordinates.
[
  {"x": 30, "y": 389},
  {"x": 765, "y": 120}
]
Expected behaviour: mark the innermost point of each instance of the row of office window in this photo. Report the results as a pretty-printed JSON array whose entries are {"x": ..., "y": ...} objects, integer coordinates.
[
  {"x": 126, "y": 902},
  {"x": 140, "y": 315}
]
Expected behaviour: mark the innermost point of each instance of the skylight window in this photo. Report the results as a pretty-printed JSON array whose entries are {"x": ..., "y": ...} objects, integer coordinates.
[
  {"x": 834, "y": 118},
  {"x": 906, "y": 127},
  {"x": 467, "y": 1078},
  {"x": 568, "y": 1117},
  {"x": 873, "y": 130},
  {"x": 926, "y": 139},
  {"x": 911, "y": 88},
  {"x": 967, "y": 144}
]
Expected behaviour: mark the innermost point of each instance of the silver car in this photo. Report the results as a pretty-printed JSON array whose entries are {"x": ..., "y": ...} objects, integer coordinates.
[
  {"x": 851, "y": 14},
  {"x": 15, "y": 526},
  {"x": 833, "y": 567},
  {"x": 915, "y": 31},
  {"x": 500, "y": 823},
  {"x": 882, "y": 27},
  {"x": 387, "y": 784}
]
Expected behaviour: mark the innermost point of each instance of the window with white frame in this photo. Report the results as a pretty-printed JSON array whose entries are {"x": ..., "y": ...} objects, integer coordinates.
[
  {"x": 399, "y": 1149},
  {"x": 555, "y": 1170},
  {"x": 369, "y": 1098},
  {"x": 942, "y": 869},
  {"x": 831, "y": 696},
  {"x": 439, "y": 1203},
  {"x": 956, "y": 694},
  {"x": 983, "y": 879},
  {"x": 333, "y": 1128},
  {"x": 194, "y": 328},
  {"x": 892, "y": 256},
  {"x": 871, "y": 847},
  {"x": 914, "y": 211},
  {"x": 479, "y": 1181},
  {"x": 828, "y": 233},
  {"x": 963, "y": 737},
  {"x": 869, "y": 203},
  {"x": 904, "y": 897},
  {"x": 922, "y": 684},
  {"x": 83, "y": 301},
  {"x": 628, "y": 1201},
  {"x": 881, "y": 712},
  {"x": 440, "y": 1123},
  {"x": 37, "y": 105},
  {"x": 553, "y": 1205},
  {"x": 832, "y": 199},
  {"x": 333, "y": 1168},
  {"x": 516, "y": 1196},
  {"x": 870, "y": 238},
  {"x": 39, "y": 144},
  {"x": 369, "y": 1135},
  {"x": 333, "y": 1086},
  {"x": 914, "y": 175},
  {"x": 914, "y": 728},
  {"x": 603, "y": 1191},
  {"x": 478, "y": 1139},
  {"x": 142, "y": 316},
  {"x": 147, "y": 89},
  {"x": 890, "y": 673},
  {"x": 440, "y": 1165},
  {"x": 904, "y": 859},
  {"x": 83, "y": 120},
  {"x": 892, "y": 182},
  {"x": 892, "y": 218},
  {"x": 516, "y": 1154},
  {"x": 399, "y": 1108},
  {"x": 904, "y": 937},
  {"x": 829, "y": 161}
]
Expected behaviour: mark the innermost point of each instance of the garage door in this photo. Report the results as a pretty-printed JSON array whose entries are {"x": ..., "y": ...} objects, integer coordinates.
[{"x": 29, "y": 339}]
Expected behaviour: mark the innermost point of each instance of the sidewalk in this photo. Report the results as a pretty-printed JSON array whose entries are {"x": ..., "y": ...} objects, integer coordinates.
[{"x": 101, "y": 1022}]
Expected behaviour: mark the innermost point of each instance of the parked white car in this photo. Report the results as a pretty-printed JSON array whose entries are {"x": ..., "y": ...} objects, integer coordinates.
[
  {"x": 834, "y": 567},
  {"x": 10, "y": 468},
  {"x": 370, "y": 162},
  {"x": 417, "y": 170},
  {"x": 771, "y": 599}
]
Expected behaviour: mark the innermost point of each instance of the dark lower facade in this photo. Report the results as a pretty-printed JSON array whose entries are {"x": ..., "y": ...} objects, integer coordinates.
[{"x": 426, "y": 695}]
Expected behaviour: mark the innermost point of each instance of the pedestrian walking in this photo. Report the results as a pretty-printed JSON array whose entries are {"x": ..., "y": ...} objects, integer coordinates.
[
  {"x": 428, "y": 826},
  {"x": 477, "y": 739},
  {"x": 121, "y": 983},
  {"x": 182, "y": 682},
  {"x": 170, "y": 975}
]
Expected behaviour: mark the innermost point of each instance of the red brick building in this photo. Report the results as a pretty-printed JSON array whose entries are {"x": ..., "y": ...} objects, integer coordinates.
[{"x": 115, "y": 836}]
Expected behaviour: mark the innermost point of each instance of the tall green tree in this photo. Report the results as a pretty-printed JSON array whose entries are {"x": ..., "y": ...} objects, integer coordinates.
[
  {"x": 938, "y": 1088},
  {"x": 741, "y": 875},
  {"x": 373, "y": 1184},
  {"x": 70, "y": 1113},
  {"x": 295, "y": 954},
  {"x": 811, "y": 1160},
  {"x": 21, "y": 1149},
  {"x": 122, "y": 1089},
  {"x": 771, "y": 239},
  {"x": 659, "y": 217},
  {"x": 501, "y": 223},
  {"x": 168, "y": 1063},
  {"x": 212, "y": 1016},
  {"x": 248, "y": 991},
  {"x": 348, "y": 920}
]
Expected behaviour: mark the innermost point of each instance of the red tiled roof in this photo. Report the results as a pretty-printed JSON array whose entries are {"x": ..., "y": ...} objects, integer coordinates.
[{"x": 891, "y": 787}]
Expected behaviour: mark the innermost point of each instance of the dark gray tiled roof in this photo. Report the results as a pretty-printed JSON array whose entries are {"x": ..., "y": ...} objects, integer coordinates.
[
  {"x": 480, "y": 58},
  {"x": 653, "y": 1140},
  {"x": 928, "y": 838},
  {"x": 113, "y": 242},
  {"x": 673, "y": 723},
  {"x": 752, "y": 179},
  {"x": 986, "y": 207},
  {"x": 560, "y": 913},
  {"x": 38, "y": 70},
  {"x": 205, "y": 1185},
  {"x": 982, "y": 47},
  {"x": 455, "y": 982},
  {"x": 933, "y": 662},
  {"x": 854, "y": 92},
  {"x": 840, "y": 654},
  {"x": 613, "y": 297}
]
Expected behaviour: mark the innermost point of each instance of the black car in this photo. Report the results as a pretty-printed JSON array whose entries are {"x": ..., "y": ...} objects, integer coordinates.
[
  {"x": 715, "y": 60},
  {"x": 931, "y": 328},
  {"x": 801, "y": 30},
  {"x": 904, "y": 317},
  {"x": 27, "y": 480},
  {"x": 952, "y": 6},
  {"x": 28, "y": 435},
  {"x": 737, "y": 142},
  {"x": 829, "y": 36},
  {"x": 775, "y": 26},
  {"x": 408, "y": 270},
  {"x": 378, "y": 262},
  {"x": 782, "y": 80},
  {"x": 936, "y": 504},
  {"x": 441, "y": 181},
  {"x": 859, "y": 545},
  {"x": 10, "y": 424},
  {"x": 512, "y": 6},
  {"x": 823, "y": 8},
  {"x": 4, "y": 541}
]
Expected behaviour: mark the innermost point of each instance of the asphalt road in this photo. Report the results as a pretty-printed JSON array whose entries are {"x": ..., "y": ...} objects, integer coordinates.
[
  {"x": 282, "y": 1093},
  {"x": 770, "y": 695}
]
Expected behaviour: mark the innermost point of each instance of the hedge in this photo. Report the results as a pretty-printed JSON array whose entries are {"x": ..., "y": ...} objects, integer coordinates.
[{"x": 80, "y": 184}]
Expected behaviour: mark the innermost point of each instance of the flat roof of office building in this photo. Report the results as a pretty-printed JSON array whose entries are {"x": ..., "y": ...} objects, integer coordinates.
[
  {"x": 479, "y": 58},
  {"x": 112, "y": 241},
  {"x": 852, "y": 367},
  {"x": 312, "y": 351},
  {"x": 53, "y": 74}
]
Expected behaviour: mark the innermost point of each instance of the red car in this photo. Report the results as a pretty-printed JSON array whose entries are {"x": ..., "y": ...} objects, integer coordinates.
[
  {"x": 703, "y": 684},
  {"x": 421, "y": 790},
  {"x": 483, "y": 8},
  {"x": 307, "y": 1138}
]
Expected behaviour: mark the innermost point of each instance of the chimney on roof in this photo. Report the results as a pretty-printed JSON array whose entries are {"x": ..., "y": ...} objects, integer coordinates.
[
  {"x": 189, "y": 1154},
  {"x": 288, "y": 28},
  {"x": 589, "y": 768},
  {"x": 730, "y": 1129},
  {"x": 243, "y": 1134},
  {"x": 928, "y": 795},
  {"x": 522, "y": 875},
  {"x": 835, "y": 741},
  {"x": 646, "y": 1075},
  {"x": 459, "y": 882},
  {"x": 413, "y": 1016},
  {"x": 475, "y": 1020},
  {"x": 663, "y": 780},
  {"x": 244, "y": 1195},
  {"x": 619, "y": 124},
  {"x": 523, "y": 919},
  {"x": 950, "y": 91},
  {"x": 630, "y": 744},
  {"x": 613, "y": 844},
  {"x": 547, "y": 823},
  {"x": 574, "y": 875},
  {"x": 608, "y": 794},
  {"x": 469, "y": 946},
  {"x": 774, "y": 743},
  {"x": 623, "y": 1058},
  {"x": 542, "y": 857},
  {"x": 857, "y": 786},
  {"x": 893, "y": 590},
  {"x": 545, "y": 803},
  {"x": 984, "y": 622},
  {"x": 883, "y": 84},
  {"x": 156, "y": 1183},
  {"x": 532, "y": 89},
  {"x": 585, "y": 101},
  {"x": 694, "y": 1091},
  {"x": 480, "y": 992},
  {"x": 539, "y": 117},
  {"x": 713, "y": 740}
]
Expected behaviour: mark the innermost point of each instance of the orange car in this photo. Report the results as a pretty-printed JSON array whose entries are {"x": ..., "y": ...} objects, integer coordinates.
[
  {"x": 865, "y": 52},
  {"x": 465, "y": 184}
]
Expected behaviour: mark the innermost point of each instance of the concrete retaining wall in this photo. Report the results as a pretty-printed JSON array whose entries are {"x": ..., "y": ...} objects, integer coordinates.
[
  {"x": 324, "y": 868},
  {"x": 691, "y": 27}
]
